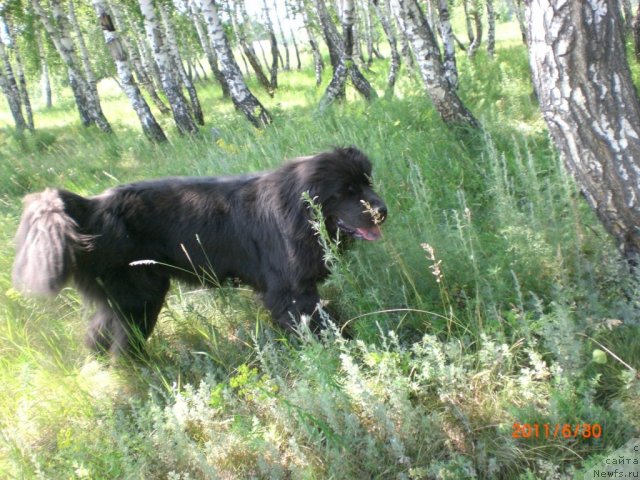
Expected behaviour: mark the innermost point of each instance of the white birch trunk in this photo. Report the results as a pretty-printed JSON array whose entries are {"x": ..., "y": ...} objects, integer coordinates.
[
  {"x": 172, "y": 44},
  {"x": 264, "y": 56},
  {"x": 491, "y": 30},
  {"x": 628, "y": 16},
  {"x": 636, "y": 35},
  {"x": 177, "y": 102},
  {"x": 86, "y": 81},
  {"x": 89, "y": 76},
  {"x": 65, "y": 48},
  {"x": 22, "y": 81},
  {"x": 449, "y": 47},
  {"x": 476, "y": 14},
  {"x": 241, "y": 96},
  {"x": 519, "y": 11},
  {"x": 335, "y": 90},
  {"x": 212, "y": 58},
  {"x": 88, "y": 105},
  {"x": 45, "y": 81},
  {"x": 405, "y": 50},
  {"x": 313, "y": 43},
  {"x": 273, "y": 81},
  {"x": 296, "y": 49},
  {"x": 330, "y": 32},
  {"x": 368, "y": 30},
  {"x": 431, "y": 18},
  {"x": 468, "y": 21},
  {"x": 247, "y": 45},
  {"x": 146, "y": 56},
  {"x": 150, "y": 126},
  {"x": 382, "y": 11},
  {"x": 588, "y": 99},
  {"x": 357, "y": 37},
  {"x": 10, "y": 90},
  {"x": 82, "y": 47},
  {"x": 285, "y": 44},
  {"x": 137, "y": 64},
  {"x": 411, "y": 21}
]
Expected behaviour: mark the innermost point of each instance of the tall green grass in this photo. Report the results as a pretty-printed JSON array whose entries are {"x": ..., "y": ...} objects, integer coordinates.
[{"x": 480, "y": 307}]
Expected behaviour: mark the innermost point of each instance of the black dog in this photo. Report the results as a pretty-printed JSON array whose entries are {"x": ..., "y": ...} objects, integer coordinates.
[{"x": 121, "y": 247}]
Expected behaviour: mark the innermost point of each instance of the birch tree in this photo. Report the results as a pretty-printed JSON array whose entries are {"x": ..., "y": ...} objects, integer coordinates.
[
  {"x": 336, "y": 88},
  {"x": 240, "y": 30},
  {"x": 383, "y": 11},
  {"x": 405, "y": 50},
  {"x": 174, "y": 53},
  {"x": 22, "y": 81},
  {"x": 264, "y": 56},
  {"x": 318, "y": 62},
  {"x": 131, "y": 48},
  {"x": 448, "y": 42},
  {"x": 346, "y": 65},
  {"x": 337, "y": 53},
  {"x": 468, "y": 22},
  {"x": 590, "y": 105},
  {"x": 368, "y": 30},
  {"x": 430, "y": 14},
  {"x": 82, "y": 49},
  {"x": 85, "y": 92},
  {"x": 285, "y": 44},
  {"x": 139, "y": 38},
  {"x": 628, "y": 16},
  {"x": 356, "y": 36},
  {"x": 518, "y": 8},
  {"x": 296, "y": 49},
  {"x": 59, "y": 31},
  {"x": 476, "y": 15},
  {"x": 412, "y": 21},
  {"x": 150, "y": 126},
  {"x": 636, "y": 35},
  {"x": 45, "y": 81},
  {"x": 241, "y": 96},
  {"x": 178, "y": 104},
  {"x": 329, "y": 32},
  {"x": 291, "y": 13},
  {"x": 491, "y": 29},
  {"x": 273, "y": 81},
  {"x": 10, "y": 90},
  {"x": 210, "y": 53}
]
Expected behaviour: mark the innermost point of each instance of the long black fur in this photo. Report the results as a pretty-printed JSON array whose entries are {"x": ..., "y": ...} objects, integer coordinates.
[{"x": 122, "y": 247}]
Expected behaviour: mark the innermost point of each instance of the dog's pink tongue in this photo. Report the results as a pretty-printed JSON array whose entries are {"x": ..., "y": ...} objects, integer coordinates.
[{"x": 370, "y": 234}]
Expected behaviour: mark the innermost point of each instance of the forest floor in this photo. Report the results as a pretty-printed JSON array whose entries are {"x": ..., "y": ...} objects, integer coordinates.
[{"x": 484, "y": 321}]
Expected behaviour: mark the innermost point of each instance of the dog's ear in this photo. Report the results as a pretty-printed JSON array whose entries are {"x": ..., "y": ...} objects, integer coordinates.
[
  {"x": 316, "y": 175},
  {"x": 355, "y": 160},
  {"x": 351, "y": 152}
]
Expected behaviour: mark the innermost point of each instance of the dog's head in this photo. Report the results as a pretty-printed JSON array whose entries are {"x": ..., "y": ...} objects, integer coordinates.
[{"x": 340, "y": 182}]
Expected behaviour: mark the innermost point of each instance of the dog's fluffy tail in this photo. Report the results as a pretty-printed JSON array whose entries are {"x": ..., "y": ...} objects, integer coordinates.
[{"x": 46, "y": 243}]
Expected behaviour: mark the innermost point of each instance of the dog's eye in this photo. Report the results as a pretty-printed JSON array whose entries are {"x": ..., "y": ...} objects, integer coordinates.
[{"x": 351, "y": 190}]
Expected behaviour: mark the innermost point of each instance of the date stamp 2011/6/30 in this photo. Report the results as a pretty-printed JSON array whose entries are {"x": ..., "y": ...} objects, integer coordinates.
[{"x": 556, "y": 430}]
